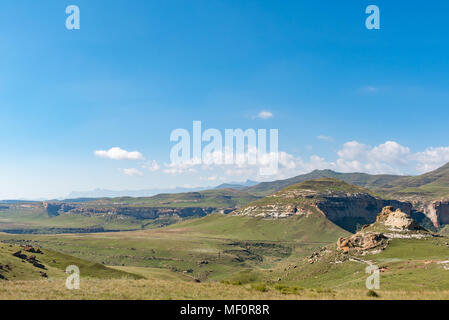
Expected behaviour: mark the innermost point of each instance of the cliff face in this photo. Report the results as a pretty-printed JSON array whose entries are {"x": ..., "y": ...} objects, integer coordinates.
[
  {"x": 55, "y": 209},
  {"x": 437, "y": 212},
  {"x": 362, "y": 208},
  {"x": 346, "y": 205},
  {"x": 348, "y": 211}
]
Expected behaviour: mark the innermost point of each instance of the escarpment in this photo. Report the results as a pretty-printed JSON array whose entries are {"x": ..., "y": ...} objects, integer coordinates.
[
  {"x": 135, "y": 212},
  {"x": 346, "y": 205}
]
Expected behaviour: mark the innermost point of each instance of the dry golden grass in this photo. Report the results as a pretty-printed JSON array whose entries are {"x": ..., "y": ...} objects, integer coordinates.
[{"x": 175, "y": 290}]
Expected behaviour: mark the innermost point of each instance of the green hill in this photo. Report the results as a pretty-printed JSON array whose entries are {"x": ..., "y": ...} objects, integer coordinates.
[
  {"x": 360, "y": 179},
  {"x": 307, "y": 229},
  {"x": 346, "y": 205},
  {"x": 429, "y": 186},
  {"x": 28, "y": 263}
]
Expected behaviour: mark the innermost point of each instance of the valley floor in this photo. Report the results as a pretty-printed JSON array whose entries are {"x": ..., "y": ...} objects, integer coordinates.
[
  {"x": 174, "y": 290},
  {"x": 218, "y": 258}
]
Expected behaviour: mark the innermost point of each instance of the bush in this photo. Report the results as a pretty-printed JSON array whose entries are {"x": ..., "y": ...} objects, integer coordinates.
[
  {"x": 259, "y": 287},
  {"x": 288, "y": 290},
  {"x": 372, "y": 293}
]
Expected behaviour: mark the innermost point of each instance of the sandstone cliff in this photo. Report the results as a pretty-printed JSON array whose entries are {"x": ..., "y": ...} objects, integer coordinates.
[{"x": 346, "y": 205}]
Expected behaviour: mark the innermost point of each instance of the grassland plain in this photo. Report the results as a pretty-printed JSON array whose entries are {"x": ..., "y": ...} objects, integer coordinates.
[
  {"x": 202, "y": 249},
  {"x": 156, "y": 289},
  {"x": 232, "y": 257}
]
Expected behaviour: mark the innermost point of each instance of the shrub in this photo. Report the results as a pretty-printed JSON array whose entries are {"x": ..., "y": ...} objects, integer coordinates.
[
  {"x": 259, "y": 287},
  {"x": 372, "y": 293}
]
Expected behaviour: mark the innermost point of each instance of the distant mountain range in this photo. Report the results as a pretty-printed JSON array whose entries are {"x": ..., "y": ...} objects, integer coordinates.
[
  {"x": 430, "y": 186},
  {"x": 106, "y": 193},
  {"x": 237, "y": 185},
  {"x": 360, "y": 179}
]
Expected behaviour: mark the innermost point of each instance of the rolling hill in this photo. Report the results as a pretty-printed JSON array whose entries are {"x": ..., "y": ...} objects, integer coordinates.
[
  {"x": 346, "y": 205},
  {"x": 359, "y": 179},
  {"x": 429, "y": 186}
]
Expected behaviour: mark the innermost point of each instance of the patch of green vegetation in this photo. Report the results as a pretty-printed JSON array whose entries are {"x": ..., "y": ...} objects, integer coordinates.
[
  {"x": 284, "y": 289},
  {"x": 259, "y": 287}
]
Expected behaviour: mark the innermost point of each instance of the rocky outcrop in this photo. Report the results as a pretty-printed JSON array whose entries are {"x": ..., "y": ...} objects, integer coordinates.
[
  {"x": 55, "y": 209},
  {"x": 362, "y": 241},
  {"x": 347, "y": 210},
  {"x": 396, "y": 219},
  {"x": 393, "y": 222}
]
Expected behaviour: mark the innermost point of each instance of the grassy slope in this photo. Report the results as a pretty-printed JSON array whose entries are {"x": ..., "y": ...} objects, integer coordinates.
[
  {"x": 55, "y": 264},
  {"x": 214, "y": 247},
  {"x": 411, "y": 270},
  {"x": 408, "y": 265},
  {"x": 313, "y": 228}
]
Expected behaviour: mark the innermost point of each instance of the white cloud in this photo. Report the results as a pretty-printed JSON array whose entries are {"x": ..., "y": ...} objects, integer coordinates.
[
  {"x": 326, "y": 138},
  {"x": 182, "y": 167},
  {"x": 132, "y": 172},
  {"x": 390, "y": 151},
  {"x": 265, "y": 114},
  {"x": 389, "y": 157},
  {"x": 431, "y": 158},
  {"x": 151, "y": 166},
  {"x": 119, "y": 154},
  {"x": 353, "y": 150}
]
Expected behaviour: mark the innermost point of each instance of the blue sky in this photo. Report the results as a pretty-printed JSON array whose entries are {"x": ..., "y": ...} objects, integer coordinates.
[{"x": 343, "y": 97}]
